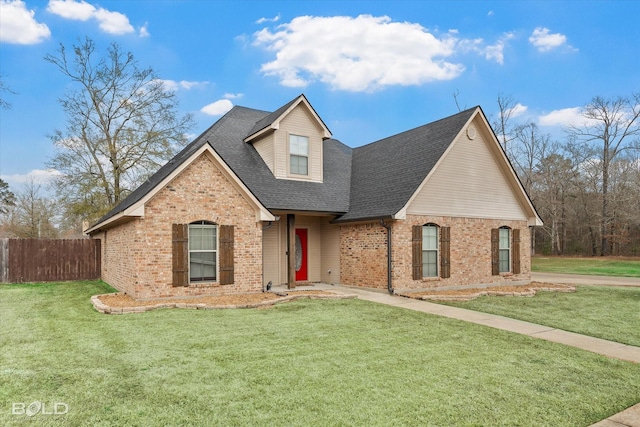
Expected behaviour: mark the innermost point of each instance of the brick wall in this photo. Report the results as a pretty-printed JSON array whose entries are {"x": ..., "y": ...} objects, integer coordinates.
[
  {"x": 138, "y": 254},
  {"x": 364, "y": 257}
]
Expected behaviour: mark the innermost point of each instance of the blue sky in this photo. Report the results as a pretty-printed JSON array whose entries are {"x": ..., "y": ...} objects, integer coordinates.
[{"x": 370, "y": 68}]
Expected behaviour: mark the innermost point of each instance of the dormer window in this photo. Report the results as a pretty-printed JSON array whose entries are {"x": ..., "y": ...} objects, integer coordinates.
[{"x": 298, "y": 155}]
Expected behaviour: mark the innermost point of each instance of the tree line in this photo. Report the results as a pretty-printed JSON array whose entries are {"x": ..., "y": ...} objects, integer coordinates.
[
  {"x": 122, "y": 125},
  {"x": 586, "y": 187}
]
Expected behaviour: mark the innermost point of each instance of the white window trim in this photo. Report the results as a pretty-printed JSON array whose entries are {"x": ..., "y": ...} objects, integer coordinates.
[
  {"x": 216, "y": 251},
  {"x": 436, "y": 250},
  {"x": 289, "y": 154},
  {"x": 507, "y": 249}
]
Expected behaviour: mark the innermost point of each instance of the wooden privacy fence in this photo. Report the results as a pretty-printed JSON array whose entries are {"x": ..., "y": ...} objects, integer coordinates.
[{"x": 49, "y": 260}]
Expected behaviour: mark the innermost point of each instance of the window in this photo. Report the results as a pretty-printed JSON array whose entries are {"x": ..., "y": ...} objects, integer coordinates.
[
  {"x": 203, "y": 251},
  {"x": 430, "y": 250},
  {"x": 504, "y": 249},
  {"x": 298, "y": 155}
]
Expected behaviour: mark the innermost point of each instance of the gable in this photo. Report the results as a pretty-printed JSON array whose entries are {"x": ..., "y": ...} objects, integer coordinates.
[
  {"x": 387, "y": 173},
  {"x": 274, "y": 149},
  {"x": 472, "y": 179},
  {"x": 136, "y": 209}
]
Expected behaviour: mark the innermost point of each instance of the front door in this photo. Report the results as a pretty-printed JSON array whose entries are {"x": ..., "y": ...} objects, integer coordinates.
[{"x": 301, "y": 255}]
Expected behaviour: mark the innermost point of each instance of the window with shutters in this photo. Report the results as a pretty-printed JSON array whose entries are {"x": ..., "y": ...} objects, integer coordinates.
[
  {"x": 203, "y": 251},
  {"x": 430, "y": 250},
  {"x": 504, "y": 250}
]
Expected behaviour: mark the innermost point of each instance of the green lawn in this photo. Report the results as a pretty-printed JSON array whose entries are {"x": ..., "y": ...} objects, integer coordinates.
[
  {"x": 308, "y": 362},
  {"x": 599, "y": 266},
  {"x": 607, "y": 312}
]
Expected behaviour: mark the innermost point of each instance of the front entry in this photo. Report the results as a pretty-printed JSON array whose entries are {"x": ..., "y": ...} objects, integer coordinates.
[{"x": 301, "y": 255}]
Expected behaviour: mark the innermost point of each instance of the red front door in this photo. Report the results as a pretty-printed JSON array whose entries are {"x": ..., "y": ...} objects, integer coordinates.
[{"x": 301, "y": 255}]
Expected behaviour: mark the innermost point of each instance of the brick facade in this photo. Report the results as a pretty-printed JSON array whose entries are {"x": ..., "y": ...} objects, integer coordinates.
[
  {"x": 364, "y": 253},
  {"x": 137, "y": 255}
]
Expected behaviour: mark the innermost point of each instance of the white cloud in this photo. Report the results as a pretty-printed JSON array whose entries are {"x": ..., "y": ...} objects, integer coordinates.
[
  {"x": 357, "y": 54},
  {"x": 113, "y": 22},
  {"x": 144, "y": 30},
  {"x": 563, "y": 117},
  {"x": 70, "y": 9},
  {"x": 39, "y": 176},
  {"x": 108, "y": 21},
  {"x": 546, "y": 41},
  {"x": 263, "y": 20},
  {"x": 217, "y": 108},
  {"x": 18, "y": 25},
  {"x": 232, "y": 95},
  {"x": 494, "y": 52},
  {"x": 573, "y": 116},
  {"x": 518, "y": 110},
  {"x": 173, "y": 85}
]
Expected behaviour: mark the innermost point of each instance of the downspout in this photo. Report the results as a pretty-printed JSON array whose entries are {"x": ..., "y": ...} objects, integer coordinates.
[{"x": 389, "y": 283}]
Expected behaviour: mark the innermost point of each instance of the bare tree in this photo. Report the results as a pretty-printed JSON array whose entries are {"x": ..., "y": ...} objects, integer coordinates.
[
  {"x": 612, "y": 127},
  {"x": 32, "y": 215},
  {"x": 502, "y": 124},
  {"x": 455, "y": 98},
  {"x": 122, "y": 125},
  {"x": 530, "y": 148},
  {"x": 555, "y": 175},
  {"x": 4, "y": 89}
]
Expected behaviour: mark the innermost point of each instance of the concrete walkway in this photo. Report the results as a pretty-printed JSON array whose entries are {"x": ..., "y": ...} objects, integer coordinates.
[
  {"x": 596, "y": 345},
  {"x": 630, "y": 417}
]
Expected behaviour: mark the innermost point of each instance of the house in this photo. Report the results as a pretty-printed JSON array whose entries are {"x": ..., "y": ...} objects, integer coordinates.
[{"x": 270, "y": 197}]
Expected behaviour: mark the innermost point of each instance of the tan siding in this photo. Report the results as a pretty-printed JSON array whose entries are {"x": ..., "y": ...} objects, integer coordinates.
[
  {"x": 266, "y": 148},
  {"x": 272, "y": 254},
  {"x": 299, "y": 122},
  {"x": 468, "y": 183},
  {"x": 281, "y": 149},
  {"x": 283, "y": 249},
  {"x": 330, "y": 253}
]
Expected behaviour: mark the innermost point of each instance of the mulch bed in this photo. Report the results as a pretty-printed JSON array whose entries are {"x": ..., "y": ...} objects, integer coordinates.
[
  {"x": 123, "y": 303},
  {"x": 467, "y": 294},
  {"x": 120, "y": 303}
]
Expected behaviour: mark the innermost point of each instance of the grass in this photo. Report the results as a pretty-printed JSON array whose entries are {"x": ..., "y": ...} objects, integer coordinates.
[
  {"x": 611, "y": 313},
  {"x": 599, "y": 266},
  {"x": 309, "y": 362}
]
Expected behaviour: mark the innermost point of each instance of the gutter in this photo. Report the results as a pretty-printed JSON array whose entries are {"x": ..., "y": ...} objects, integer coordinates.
[{"x": 389, "y": 282}]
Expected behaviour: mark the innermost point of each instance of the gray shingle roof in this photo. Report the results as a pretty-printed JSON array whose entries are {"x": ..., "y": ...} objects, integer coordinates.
[
  {"x": 386, "y": 173},
  {"x": 372, "y": 181}
]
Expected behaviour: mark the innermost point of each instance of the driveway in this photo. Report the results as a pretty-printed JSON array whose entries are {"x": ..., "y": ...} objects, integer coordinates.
[{"x": 583, "y": 279}]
